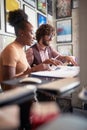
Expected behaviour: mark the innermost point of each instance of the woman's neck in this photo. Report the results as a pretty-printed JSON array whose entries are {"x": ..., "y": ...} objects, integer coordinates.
[
  {"x": 42, "y": 45},
  {"x": 20, "y": 42}
]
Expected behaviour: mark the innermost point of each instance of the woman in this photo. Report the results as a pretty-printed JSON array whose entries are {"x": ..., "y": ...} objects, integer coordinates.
[{"x": 13, "y": 62}]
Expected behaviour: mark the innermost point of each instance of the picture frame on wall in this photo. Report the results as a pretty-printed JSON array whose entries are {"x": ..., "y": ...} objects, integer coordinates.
[
  {"x": 63, "y": 8},
  {"x": 31, "y": 2},
  {"x": 75, "y": 4},
  {"x": 31, "y": 12},
  {"x": 64, "y": 30},
  {"x": 5, "y": 40},
  {"x": 42, "y": 6},
  {"x": 49, "y": 7},
  {"x": 65, "y": 49},
  {"x": 41, "y": 19},
  {"x": 10, "y": 7}
]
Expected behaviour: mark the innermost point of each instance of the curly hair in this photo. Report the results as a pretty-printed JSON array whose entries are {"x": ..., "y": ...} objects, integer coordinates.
[
  {"x": 18, "y": 19},
  {"x": 44, "y": 29},
  {"x": 17, "y": 16}
]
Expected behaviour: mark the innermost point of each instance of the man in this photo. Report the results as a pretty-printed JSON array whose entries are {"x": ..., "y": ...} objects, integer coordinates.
[{"x": 43, "y": 51}]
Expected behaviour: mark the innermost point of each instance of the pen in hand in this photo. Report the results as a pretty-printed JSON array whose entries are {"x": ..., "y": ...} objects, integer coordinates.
[
  {"x": 55, "y": 57},
  {"x": 58, "y": 62}
]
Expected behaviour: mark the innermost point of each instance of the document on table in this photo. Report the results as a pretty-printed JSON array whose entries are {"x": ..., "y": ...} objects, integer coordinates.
[{"x": 60, "y": 72}]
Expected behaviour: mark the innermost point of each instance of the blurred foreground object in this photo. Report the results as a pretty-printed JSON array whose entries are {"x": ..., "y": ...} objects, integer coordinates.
[
  {"x": 43, "y": 112},
  {"x": 9, "y": 117},
  {"x": 66, "y": 122}
]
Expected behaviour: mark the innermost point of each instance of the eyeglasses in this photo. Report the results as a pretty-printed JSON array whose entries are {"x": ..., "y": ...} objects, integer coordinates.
[{"x": 51, "y": 36}]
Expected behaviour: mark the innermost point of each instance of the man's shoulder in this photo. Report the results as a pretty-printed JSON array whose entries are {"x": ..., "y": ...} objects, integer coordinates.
[
  {"x": 29, "y": 50},
  {"x": 34, "y": 46},
  {"x": 49, "y": 47}
]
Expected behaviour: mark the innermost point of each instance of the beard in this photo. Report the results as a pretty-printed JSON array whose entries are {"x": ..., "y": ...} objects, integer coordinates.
[{"x": 44, "y": 42}]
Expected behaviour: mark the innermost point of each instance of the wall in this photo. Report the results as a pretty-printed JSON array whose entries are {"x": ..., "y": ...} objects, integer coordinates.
[
  {"x": 7, "y": 38},
  {"x": 75, "y": 31},
  {"x": 82, "y": 52},
  {"x": 83, "y": 42}
]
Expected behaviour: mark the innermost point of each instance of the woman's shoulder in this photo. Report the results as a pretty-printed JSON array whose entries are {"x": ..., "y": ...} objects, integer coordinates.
[{"x": 10, "y": 50}]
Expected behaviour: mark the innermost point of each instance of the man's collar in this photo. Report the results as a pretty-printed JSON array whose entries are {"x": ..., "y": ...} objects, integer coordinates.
[{"x": 41, "y": 47}]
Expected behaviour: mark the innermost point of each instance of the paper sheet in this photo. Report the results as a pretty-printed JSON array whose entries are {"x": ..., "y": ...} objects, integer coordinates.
[{"x": 61, "y": 72}]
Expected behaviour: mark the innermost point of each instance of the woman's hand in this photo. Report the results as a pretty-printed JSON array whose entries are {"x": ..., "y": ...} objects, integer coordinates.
[{"x": 27, "y": 71}]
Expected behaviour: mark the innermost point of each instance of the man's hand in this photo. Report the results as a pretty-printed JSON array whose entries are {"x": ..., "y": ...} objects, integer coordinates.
[
  {"x": 69, "y": 60},
  {"x": 50, "y": 61}
]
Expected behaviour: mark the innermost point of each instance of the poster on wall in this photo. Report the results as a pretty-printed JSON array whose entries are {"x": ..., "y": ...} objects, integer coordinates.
[
  {"x": 31, "y": 12},
  {"x": 64, "y": 30},
  {"x": 10, "y": 6},
  {"x": 75, "y": 4},
  {"x": 63, "y": 8},
  {"x": 5, "y": 40},
  {"x": 42, "y": 6},
  {"x": 41, "y": 19},
  {"x": 31, "y": 2},
  {"x": 49, "y": 7},
  {"x": 65, "y": 50}
]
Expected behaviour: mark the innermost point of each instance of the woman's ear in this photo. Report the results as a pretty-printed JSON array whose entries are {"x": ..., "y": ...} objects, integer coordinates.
[{"x": 20, "y": 33}]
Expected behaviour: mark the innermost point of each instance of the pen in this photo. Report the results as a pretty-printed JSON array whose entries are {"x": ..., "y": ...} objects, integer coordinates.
[{"x": 56, "y": 57}]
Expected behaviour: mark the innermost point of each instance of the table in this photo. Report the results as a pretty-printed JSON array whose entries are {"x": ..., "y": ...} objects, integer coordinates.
[{"x": 59, "y": 85}]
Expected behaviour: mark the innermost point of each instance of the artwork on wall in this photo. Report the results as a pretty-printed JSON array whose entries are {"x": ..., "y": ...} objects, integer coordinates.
[
  {"x": 9, "y": 6},
  {"x": 31, "y": 2},
  {"x": 63, "y": 8},
  {"x": 64, "y": 30},
  {"x": 50, "y": 20},
  {"x": 31, "y": 12},
  {"x": 75, "y": 4},
  {"x": 42, "y": 6},
  {"x": 65, "y": 49},
  {"x": 41, "y": 19},
  {"x": 5, "y": 40},
  {"x": 49, "y": 7}
]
